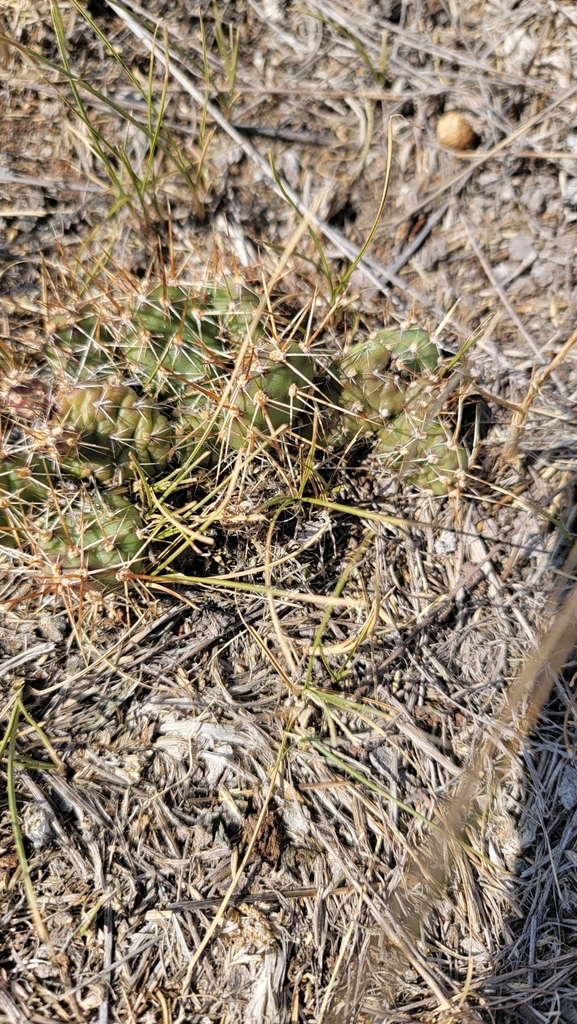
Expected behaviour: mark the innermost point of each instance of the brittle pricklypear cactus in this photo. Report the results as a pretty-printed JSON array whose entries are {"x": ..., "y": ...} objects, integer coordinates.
[
  {"x": 269, "y": 392},
  {"x": 22, "y": 483},
  {"x": 82, "y": 348},
  {"x": 179, "y": 336},
  {"x": 104, "y": 425},
  {"x": 420, "y": 446},
  {"x": 26, "y": 398},
  {"x": 362, "y": 393},
  {"x": 431, "y": 459},
  {"x": 24, "y": 480},
  {"x": 194, "y": 424},
  {"x": 411, "y": 347},
  {"x": 92, "y": 536}
]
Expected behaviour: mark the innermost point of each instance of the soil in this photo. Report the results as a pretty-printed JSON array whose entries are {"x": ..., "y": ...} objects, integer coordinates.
[{"x": 222, "y": 804}]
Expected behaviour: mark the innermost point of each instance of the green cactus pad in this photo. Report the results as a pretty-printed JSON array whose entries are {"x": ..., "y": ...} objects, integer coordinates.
[
  {"x": 209, "y": 311},
  {"x": 428, "y": 457},
  {"x": 25, "y": 480},
  {"x": 411, "y": 347},
  {"x": 25, "y": 485},
  {"x": 362, "y": 393},
  {"x": 83, "y": 349},
  {"x": 105, "y": 425},
  {"x": 167, "y": 366},
  {"x": 96, "y": 535},
  {"x": 269, "y": 393},
  {"x": 179, "y": 336}
]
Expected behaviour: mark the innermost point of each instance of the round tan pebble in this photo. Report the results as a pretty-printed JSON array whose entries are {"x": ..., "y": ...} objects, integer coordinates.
[{"x": 454, "y": 131}]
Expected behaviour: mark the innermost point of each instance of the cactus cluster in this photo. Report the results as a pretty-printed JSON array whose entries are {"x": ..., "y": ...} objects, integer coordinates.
[
  {"x": 368, "y": 395},
  {"x": 195, "y": 372}
]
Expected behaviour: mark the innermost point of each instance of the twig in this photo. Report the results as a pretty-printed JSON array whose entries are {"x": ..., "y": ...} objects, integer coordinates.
[
  {"x": 235, "y": 880},
  {"x": 107, "y": 960},
  {"x": 306, "y": 138},
  {"x": 32, "y": 654},
  {"x": 418, "y": 240}
]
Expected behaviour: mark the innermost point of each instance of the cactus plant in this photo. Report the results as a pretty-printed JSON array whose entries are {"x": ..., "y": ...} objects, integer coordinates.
[
  {"x": 104, "y": 425},
  {"x": 81, "y": 348},
  {"x": 25, "y": 480},
  {"x": 179, "y": 337},
  {"x": 97, "y": 535},
  {"x": 412, "y": 348},
  {"x": 269, "y": 392},
  {"x": 421, "y": 447},
  {"x": 224, "y": 387},
  {"x": 361, "y": 392}
]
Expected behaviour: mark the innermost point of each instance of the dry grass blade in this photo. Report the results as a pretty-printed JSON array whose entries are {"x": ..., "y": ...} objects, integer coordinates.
[{"x": 524, "y": 703}]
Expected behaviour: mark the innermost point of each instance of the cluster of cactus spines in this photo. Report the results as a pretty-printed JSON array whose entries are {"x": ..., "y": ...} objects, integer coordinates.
[
  {"x": 24, "y": 480},
  {"x": 193, "y": 372},
  {"x": 411, "y": 349},
  {"x": 420, "y": 447},
  {"x": 269, "y": 392},
  {"x": 178, "y": 338},
  {"x": 367, "y": 395},
  {"x": 361, "y": 392}
]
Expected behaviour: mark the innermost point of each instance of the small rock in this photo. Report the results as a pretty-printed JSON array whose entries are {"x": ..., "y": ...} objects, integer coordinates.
[
  {"x": 507, "y": 193},
  {"x": 503, "y": 270},
  {"x": 521, "y": 247},
  {"x": 446, "y": 543},
  {"x": 455, "y": 131},
  {"x": 291, "y": 167},
  {"x": 542, "y": 273},
  {"x": 569, "y": 197},
  {"x": 535, "y": 201}
]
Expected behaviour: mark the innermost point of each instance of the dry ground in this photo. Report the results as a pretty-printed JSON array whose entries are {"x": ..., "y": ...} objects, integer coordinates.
[{"x": 179, "y": 751}]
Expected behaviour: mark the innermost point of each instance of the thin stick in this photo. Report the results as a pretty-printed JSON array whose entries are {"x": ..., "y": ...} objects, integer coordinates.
[
  {"x": 335, "y": 971},
  {"x": 235, "y": 879}
]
